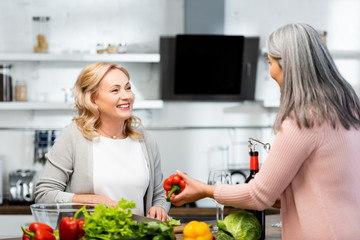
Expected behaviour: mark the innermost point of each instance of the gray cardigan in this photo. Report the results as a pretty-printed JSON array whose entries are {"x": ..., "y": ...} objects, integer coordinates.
[{"x": 69, "y": 170}]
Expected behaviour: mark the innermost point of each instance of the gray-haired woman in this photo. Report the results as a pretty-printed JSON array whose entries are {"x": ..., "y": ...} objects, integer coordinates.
[{"x": 314, "y": 161}]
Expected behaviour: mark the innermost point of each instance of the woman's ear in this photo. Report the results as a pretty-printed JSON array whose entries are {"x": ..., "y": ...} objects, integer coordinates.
[{"x": 93, "y": 100}]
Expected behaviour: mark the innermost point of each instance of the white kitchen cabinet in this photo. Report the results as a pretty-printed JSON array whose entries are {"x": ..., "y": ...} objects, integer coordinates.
[{"x": 10, "y": 225}]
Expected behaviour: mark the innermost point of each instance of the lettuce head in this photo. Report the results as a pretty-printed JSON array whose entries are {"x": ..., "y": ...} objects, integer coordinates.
[{"x": 240, "y": 225}]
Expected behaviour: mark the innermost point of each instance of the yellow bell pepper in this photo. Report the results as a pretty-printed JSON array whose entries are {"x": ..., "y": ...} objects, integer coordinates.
[{"x": 195, "y": 230}]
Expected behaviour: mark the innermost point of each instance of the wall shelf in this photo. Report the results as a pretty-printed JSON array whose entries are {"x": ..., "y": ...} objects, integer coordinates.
[
  {"x": 44, "y": 57},
  {"x": 139, "y": 104},
  {"x": 337, "y": 54},
  {"x": 345, "y": 54}
]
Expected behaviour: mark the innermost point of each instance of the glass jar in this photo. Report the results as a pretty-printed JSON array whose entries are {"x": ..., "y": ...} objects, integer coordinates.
[
  {"x": 111, "y": 48},
  {"x": 122, "y": 47},
  {"x": 5, "y": 83},
  {"x": 323, "y": 35},
  {"x": 41, "y": 34},
  {"x": 100, "y": 48},
  {"x": 21, "y": 91}
]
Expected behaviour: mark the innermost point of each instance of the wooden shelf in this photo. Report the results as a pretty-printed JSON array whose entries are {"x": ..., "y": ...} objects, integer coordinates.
[
  {"x": 139, "y": 104},
  {"x": 51, "y": 57}
]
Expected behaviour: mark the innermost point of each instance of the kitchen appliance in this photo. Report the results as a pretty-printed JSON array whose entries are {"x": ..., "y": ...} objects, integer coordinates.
[
  {"x": 22, "y": 185},
  {"x": 222, "y": 67}
]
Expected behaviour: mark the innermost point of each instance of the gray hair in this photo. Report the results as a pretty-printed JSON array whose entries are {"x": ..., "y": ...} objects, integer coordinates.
[{"x": 313, "y": 91}]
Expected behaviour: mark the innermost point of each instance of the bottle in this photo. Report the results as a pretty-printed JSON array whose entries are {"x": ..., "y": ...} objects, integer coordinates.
[
  {"x": 5, "y": 83},
  {"x": 254, "y": 168}
]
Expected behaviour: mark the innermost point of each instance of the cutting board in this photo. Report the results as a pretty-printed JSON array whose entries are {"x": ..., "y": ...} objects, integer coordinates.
[{"x": 180, "y": 228}]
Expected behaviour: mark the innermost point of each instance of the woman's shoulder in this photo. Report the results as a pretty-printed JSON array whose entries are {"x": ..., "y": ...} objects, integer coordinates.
[
  {"x": 71, "y": 130},
  {"x": 292, "y": 129},
  {"x": 71, "y": 127}
]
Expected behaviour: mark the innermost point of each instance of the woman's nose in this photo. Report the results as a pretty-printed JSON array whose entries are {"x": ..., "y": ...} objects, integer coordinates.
[{"x": 124, "y": 94}]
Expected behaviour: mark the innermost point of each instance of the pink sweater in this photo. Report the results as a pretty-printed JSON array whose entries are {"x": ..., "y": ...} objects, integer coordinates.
[{"x": 317, "y": 174}]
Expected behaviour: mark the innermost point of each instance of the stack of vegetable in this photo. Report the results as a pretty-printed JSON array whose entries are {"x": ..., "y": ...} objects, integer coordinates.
[
  {"x": 108, "y": 223},
  {"x": 241, "y": 225}
]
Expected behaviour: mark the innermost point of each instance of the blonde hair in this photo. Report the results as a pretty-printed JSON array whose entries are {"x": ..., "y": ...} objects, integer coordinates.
[{"x": 85, "y": 91}]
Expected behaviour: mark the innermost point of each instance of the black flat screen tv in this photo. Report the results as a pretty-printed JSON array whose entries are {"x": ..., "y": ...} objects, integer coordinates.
[{"x": 208, "y": 67}]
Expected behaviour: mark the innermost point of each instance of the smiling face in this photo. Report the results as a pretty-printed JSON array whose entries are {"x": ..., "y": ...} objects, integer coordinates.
[
  {"x": 115, "y": 98},
  {"x": 275, "y": 70}
]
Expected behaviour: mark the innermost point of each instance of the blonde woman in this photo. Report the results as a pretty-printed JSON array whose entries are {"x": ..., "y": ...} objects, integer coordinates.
[{"x": 104, "y": 154}]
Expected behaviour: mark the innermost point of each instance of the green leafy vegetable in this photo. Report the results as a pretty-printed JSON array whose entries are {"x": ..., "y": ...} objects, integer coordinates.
[
  {"x": 160, "y": 230},
  {"x": 111, "y": 223},
  {"x": 174, "y": 222},
  {"x": 224, "y": 235},
  {"x": 241, "y": 225}
]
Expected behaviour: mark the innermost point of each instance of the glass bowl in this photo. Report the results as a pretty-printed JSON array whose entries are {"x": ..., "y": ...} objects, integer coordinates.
[{"x": 52, "y": 213}]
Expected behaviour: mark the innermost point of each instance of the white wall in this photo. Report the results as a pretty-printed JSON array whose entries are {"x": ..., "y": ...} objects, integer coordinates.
[
  {"x": 193, "y": 137},
  {"x": 340, "y": 18}
]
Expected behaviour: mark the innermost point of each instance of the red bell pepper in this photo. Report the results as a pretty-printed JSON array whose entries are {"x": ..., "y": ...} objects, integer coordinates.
[
  {"x": 25, "y": 236},
  {"x": 71, "y": 228},
  {"x": 173, "y": 185},
  {"x": 38, "y": 231}
]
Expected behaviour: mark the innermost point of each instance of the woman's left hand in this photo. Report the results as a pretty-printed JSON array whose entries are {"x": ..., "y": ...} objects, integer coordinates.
[{"x": 158, "y": 213}]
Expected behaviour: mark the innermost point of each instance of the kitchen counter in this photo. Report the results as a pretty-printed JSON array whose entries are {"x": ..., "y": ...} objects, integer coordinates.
[
  {"x": 206, "y": 214},
  {"x": 24, "y": 208},
  {"x": 14, "y": 208}
]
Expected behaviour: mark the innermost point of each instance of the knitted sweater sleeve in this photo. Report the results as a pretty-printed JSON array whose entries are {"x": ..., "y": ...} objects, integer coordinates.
[{"x": 291, "y": 147}]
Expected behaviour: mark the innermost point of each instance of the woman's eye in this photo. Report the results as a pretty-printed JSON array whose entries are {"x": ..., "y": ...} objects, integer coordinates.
[
  {"x": 115, "y": 90},
  {"x": 128, "y": 88}
]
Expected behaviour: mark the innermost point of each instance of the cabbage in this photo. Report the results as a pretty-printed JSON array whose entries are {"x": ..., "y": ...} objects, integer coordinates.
[{"x": 241, "y": 225}]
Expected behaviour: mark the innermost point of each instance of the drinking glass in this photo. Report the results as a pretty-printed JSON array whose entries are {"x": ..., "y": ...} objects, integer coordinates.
[
  {"x": 217, "y": 177},
  {"x": 279, "y": 224}
]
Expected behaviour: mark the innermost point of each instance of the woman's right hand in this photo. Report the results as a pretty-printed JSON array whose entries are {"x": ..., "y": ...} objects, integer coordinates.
[
  {"x": 93, "y": 198},
  {"x": 194, "y": 190}
]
